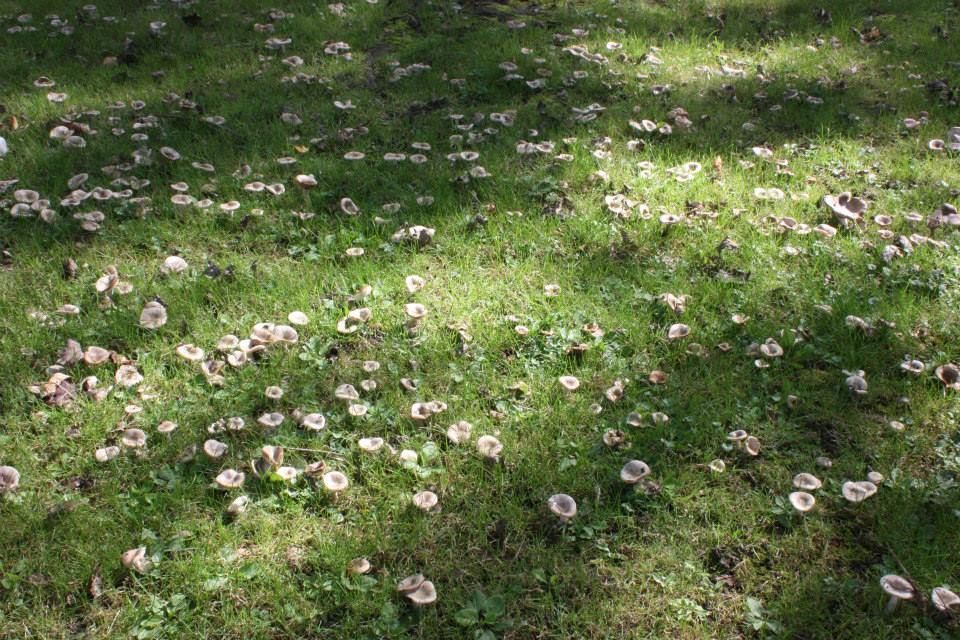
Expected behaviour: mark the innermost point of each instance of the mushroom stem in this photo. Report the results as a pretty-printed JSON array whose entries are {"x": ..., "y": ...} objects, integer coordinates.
[{"x": 892, "y": 604}]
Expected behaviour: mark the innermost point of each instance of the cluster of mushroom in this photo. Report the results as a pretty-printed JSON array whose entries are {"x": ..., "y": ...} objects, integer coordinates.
[{"x": 900, "y": 589}]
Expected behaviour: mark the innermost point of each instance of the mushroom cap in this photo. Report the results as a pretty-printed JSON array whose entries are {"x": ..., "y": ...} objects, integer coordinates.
[
  {"x": 313, "y": 422},
  {"x": 272, "y": 455},
  {"x": 214, "y": 448},
  {"x": 9, "y": 479},
  {"x": 738, "y": 435},
  {"x": 238, "y": 505},
  {"x": 875, "y": 477},
  {"x": 459, "y": 432},
  {"x": 949, "y": 375},
  {"x": 96, "y": 355},
  {"x": 896, "y": 586},
  {"x": 634, "y": 471},
  {"x": 136, "y": 559},
  {"x": 771, "y": 349},
  {"x": 346, "y": 392},
  {"x": 807, "y": 482},
  {"x": 106, "y": 454},
  {"x": 425, "y": 500},
  {"x": 173, "y": 264},
  {"x": 128, "y": 376},
  {"x": 230, "y": 479},
  {"x": 272, "y": 419},
  {"x": 570, "y": 383},
  {"x": 370, "y": 445},
  {"x": 414, "y": 283},
  {"x": 858, "y": 491},
  {"x": 944, "y": 599},
  {"x": 425, "y": 594},
  {"x": 613, "y": 437},
  {"x": 489, "y": 447},
  {"x": 562, "y": 506},
  {"x": 359, "y": 566},
  {"x": 752, "y": 445},
  {"x": 134, "y": 438},
  {"x": 857, "y": 384},
  {"x": 677, "y": 331},
  {"x": 802, "y": 501},
  {"x": 167, "y": 426},
  {"x": 190, "y": 352},
  {"x": 415, "y": 310},
  {"x": 287, "y": 474},
  {"x": 153, "y": 315},
  {"x": 315, "y": 469},
  {"x": 335, "y": 481},
  {"x": 410, "y": 583}
]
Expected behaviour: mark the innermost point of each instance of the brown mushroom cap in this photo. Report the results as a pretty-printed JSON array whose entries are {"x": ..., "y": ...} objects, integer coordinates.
[
  {"x": 949, "y": 375},
  {"x": 562, "y": 506},
  {"x": 459, "y": 432},
  {"x": 230, "y": 479},
  {"x": 806, "y": 482},
  {"x": 677, "y": 331},
  {"x": 214, "y": 448},
  {"x": 134, "y": 438}
]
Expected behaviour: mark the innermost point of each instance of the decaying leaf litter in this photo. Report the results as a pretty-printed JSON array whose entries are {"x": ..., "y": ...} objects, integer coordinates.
[{"x": 637, "y": 315}]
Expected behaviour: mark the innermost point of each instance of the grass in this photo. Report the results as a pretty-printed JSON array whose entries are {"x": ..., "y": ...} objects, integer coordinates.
[{"x": 699, "y": 555}]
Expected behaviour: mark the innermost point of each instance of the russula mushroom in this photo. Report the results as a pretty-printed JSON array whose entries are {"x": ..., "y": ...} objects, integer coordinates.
[
  {"x": 806, "y": 482},
  {"x": 634, "y": 471},
  {"x": 136, "y": 559},
  {"x": 270, "y": 420},
  {"x": 134, "y": 438},
  {"x": 562, "y": 506},
  {"x": 313, "y": 422},
  {"x": 802, "y": 501},
  {"x": 9, "y": 479},
  {"x": 945, "y": 600},
  {"x": 335, "y": 482},
  {"x": 459, "y": 432},
  {"x": 489, "y": 447},
  {"x": 897, "y": 588},
  {"x": 214, "y": 448},
  {"x": 230, "y": 479},
  {"x": 858, "y": 491},
  {"x": 425, "y": 500},
  {"x": 569, "y": 383}
]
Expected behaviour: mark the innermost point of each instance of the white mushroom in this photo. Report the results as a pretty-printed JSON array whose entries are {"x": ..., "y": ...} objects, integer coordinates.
[
  {"x": 802, "y": 501},
  {"x": 858, "y": 491},
  {"x": 489, "y": 447},
  {"x": 136, "y": 559},
  {"x": 634, "y": 471},
  {"x": 897, "y": 588},
  {"x": 153, "y": 316},
  {"x": 425, "y": 500},
  {"x": 335, "y": 482},
  {"x": 9, "y": 479},
  {"x": 459, "y": 432},
  {"x": 569, "y": 383},
  {"x": 806, "y": 482},
  {"x": 214, "y": 448},
  {"x": 562, "y": 506},
  {"x": 945, "y": 600},
  {"x": 230, "y": 479}
]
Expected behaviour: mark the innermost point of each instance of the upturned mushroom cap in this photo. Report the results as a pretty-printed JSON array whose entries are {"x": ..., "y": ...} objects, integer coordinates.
[
  {"x": 562, "y": 506},
  {"x": 335, "y": 482},
  {"x": 359, "y": 566},
  {"x": 634, "y": 471},
  {"x": 752, "y": 445},
  {"x": 95, "y": 355},
  {"x": 806, "y": 482},
  {"x": 270, "y": 420},
  {"x": 153, "y": 315},
  {"x": 128, "y": 376},
  {"x": 949, "y": 375},
  {"x": 425, "y": 500},
  {"x": 802, "y": 501},
  {"x": 459, "y": 432},
  {"x": 569, "y": 383},
  {"x": 858, "y": 491},
  {"x": 214, "y": 448},
  {"x": 614, "y": 437},
  {"x": 272, "y": 455},
  {"x": 190, "y": 352},
  {"x": 347, "y": 393},
  {"x": 313, "y": 422},
  {"x": 489, "y": 447},
  {"x": 771, "y": 349},
  {"x": 415, "y": 310},
  {"x": 738, "y": 435},
  {"x": 136, "y": 559},
  {"x": 9, "y": 479},
  {"x": 897, "y": 587},
  {"x": 370, "y": 445},
  {"x": 411, "y": 583},
  {"x": 677, "y": 331},
  {"x": 945, "y": 600},
  {"x": 230, "y": 479},
  {"x": 424, "y": 595},
  {"x": 315, "y": 469},
  {"x": 134, "y": 438}
]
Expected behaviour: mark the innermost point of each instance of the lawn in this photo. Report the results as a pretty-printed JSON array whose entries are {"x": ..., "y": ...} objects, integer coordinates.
[{"x": 429, "y": 274}]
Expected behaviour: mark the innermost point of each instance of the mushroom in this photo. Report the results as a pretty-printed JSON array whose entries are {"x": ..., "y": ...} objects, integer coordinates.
[
  {"x": 272, "y": 455},
  {"x": 897, "y": 588},
  {"x": 370, "y": 445},
  {"x": 95, "y": 355},
  {"x": 569, "y": 383},
  {"x": 214, "y": 448},
  {"x": 752, "y": 445},
  {"x": 856, "y": 382},
  {"x": 945, "y": 600},
  {"x": 9, "y": 479},
  {"x": 315, "y": 469},
  {"x": 426, "y": 500},
  {"x": 153, "y": 316},
  {"x": 347, "y": 393},
  {"x": 414, "y": 283},
  {"x": 270, "y": 420},
  {"x": 134, "y": 438},
  {"x": 353, "y": 320},
  {"x": 562, "y": 506},
  {"x": 128, "y": 376},
  {"x": 359, "y": 566},
  {"x": 190, "y": 352},
  {"x": 106, "y": 454},
  {"x": 489, "y": 447},
  {"x": 949, "y": 375},
  {"x": 677, "y": 331},
  {"x": 167, "y": 426},
  {"x": 298, "y": 318},
  {"x": 614, "y": 438},
  {"x": 806, "y": 482},
  {"x": 313, "y": 422},
  {"x": 237, "y": 506},
  {"x": 335, "y": 482},
  {"x": 858, "y": 491},
  {"x": 416, "y": 312},
  {"x": 136, "y": 559},
  {"x": 459, "y": 432},
  {"x": 802, "y": 501},
  {"x": 425, "y": 594},
  {"x": 230, "y": 479},
  {"x": 173, "y": 264},
  {"x": 634, "y": 471},
  {"x": 770, "y": 349}
]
